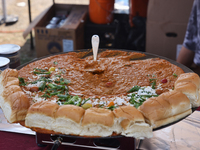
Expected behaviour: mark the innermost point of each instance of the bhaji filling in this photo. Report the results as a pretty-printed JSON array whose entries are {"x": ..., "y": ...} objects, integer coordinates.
[{"x": 114, "y": 80}]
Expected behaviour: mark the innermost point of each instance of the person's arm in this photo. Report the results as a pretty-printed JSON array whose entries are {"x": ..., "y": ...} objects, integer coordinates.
[
  {"x": 190, "y": 43},
  {"x": 186, "y": 57}
]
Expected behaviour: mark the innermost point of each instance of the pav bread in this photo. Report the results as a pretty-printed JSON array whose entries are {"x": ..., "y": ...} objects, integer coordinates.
[
  {"x": 41, "y": 115},
  {"x": 68, "y": 119},
  {"x": 189, "y": 77},
  {"x": 188, "y": 84},
  {"x": 97, "y": 122},
  {"x": 131, "y": 122},
  {"x": 14, "y": 103},
  {"x": 166, "y": 108}
]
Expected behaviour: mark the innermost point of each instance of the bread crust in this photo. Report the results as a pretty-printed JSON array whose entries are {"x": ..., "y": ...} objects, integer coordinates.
[
  {"x": 72, "y": 112},
  {"x": 10, "y": 90},
  {"x": 41, "y": 115},
  {"x": 16, "y": 105},
  {"x": 132, "y": 122},
  {"x": 189, "y": 77},
  {"x": 161, "y": 110},
  {"x": 189, "y": 84},
  {"x": 13, "y": 101},
  {"x": 128, "y": 112},
  {"x": 98, "y": 116},
  {"x": 9, "y": 73},
  {"x": 47, "y": 108},
  {"x": 177, "y": 101}
]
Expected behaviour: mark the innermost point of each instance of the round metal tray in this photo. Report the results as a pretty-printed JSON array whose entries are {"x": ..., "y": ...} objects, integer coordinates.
[{"x": 148, "y": 56}]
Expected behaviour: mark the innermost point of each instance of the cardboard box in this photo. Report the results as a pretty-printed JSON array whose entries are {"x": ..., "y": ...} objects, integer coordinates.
[
  {"x": 68, "y": 37},
  {"x": 166, "y": 26}
]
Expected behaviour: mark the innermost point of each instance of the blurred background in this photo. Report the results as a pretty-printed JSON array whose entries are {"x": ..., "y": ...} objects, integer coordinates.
[{"x": 51, "y": 26}]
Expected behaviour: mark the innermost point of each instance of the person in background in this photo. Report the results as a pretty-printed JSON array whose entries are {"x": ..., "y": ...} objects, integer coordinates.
[{"x": 189, "y": 54}]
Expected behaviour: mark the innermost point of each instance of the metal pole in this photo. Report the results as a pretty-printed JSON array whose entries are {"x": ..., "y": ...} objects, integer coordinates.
[
  {"x": 4, "y": 10},
  {"x": 30, "y": 20}
]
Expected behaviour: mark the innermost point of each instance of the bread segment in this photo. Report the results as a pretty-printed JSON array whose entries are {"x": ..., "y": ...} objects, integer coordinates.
[
  {"x": 189, "y": 77},
  {"x": 68, "y": 119},
  {"x": 15, "y": 107},
  {"x": 41, "y": 114},
  {"x": 189, "y": 84},
  {"x": 131, "y": 122},
  {"x": 166, "y": 108},
  {"x": 97, "y": 122},
  {"x": 14, "y": 103}
]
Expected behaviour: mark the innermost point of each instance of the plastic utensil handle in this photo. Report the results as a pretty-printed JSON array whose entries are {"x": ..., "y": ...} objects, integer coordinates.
[{"x": 95, "y": 46}]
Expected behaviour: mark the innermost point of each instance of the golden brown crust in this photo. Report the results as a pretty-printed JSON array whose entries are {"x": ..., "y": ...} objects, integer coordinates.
[
  {"x": 98, "y": 116},
  {"x": 172, "y": 119},
  {"x": 14, "y": 102},
  {"x": 9, "y": 77},
  {"x": 72, "y": 112},
  {"x": 190, "y": 90},
  {"x": 161, "y": 108},
  {"x": 10, "y": 81},
  {"x": 187, "y": 87},
  {"x": 9, "y": 73},
  {"x": 17, "y": 105},
  {"x": 153, "y": 110},
  {"x": 46, "y": 108},
  {"x": 189, "y": 77},
  {"x": 10, "y": 90},
  {"x": 177, "y": 100},
  {"x": 188, "y": 84},
  {"x": 128, "y": 112}
]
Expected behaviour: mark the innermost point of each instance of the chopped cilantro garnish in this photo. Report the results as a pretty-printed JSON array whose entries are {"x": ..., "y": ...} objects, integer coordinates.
[
  {"x": 42, "y": 85},
  {"x": 69, "y": 99},
  {"x": 63, "y": 97},
  {"x": 153, "y": 83},
  {"x": 136, "y": 100},
  {"x": 175, "y": 75},
  {"x": 112, "y": 107},
  {"x": 55, "y": 62},
  {"x": 84, "y": 101},
  {"x": 65, "y": 81},
  {"x": 73, "y": 100},
  {"x": 152, "y": 79},
  {"x": 40, "y": 71},
  {"x": 128, "y": 65},
  {"x": 42, "y": 79},
  {"x": 21, "y": 81},
  {"x": 57, "y": 75},
  {"x": 36, "y": 72},
  {"x": 46, "y": 96},
  {"x": 133, "y": 89},
  {"x": 62, "y": 81}
]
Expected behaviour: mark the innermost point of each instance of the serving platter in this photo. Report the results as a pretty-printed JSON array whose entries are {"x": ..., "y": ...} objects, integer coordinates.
[{"x": 88, "y": 52}]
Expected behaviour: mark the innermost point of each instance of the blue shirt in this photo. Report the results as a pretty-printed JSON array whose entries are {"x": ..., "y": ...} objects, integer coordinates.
[{"x": 192, "y": 36}]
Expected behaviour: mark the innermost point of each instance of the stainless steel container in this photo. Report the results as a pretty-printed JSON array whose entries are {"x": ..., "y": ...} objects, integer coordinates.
[
  {"x": 4, "y": 63},
  {"x": 11, "y": 51}
]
